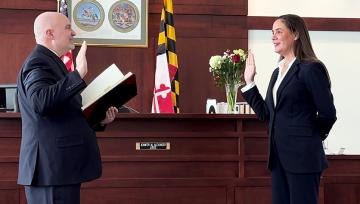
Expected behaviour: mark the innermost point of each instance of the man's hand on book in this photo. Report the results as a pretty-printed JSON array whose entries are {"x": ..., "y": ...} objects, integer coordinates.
[
  {"x": 81, "y": 62},
  {"x": 110, "y": 116}
]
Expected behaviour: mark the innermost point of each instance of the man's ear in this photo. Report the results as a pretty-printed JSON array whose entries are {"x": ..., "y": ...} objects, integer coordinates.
[{"x": 49, "y": 33}]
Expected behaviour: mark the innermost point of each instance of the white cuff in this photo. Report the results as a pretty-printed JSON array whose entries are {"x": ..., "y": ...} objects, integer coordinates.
[{"x": 247, "y": 87}]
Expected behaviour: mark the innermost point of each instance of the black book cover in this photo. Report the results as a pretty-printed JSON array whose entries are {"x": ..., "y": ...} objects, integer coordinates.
[
  {"x": 117, "y": 97},
  {"x": 110, "y": 88}
]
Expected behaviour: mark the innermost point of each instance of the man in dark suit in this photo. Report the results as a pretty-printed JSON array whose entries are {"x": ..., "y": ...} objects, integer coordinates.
[
  {"x": 58, "y": 150},
  {"x": 300, "y": 111}
]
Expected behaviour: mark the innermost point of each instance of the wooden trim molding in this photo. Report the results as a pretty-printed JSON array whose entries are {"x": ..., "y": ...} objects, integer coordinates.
[{"x": 314, "y": 24}]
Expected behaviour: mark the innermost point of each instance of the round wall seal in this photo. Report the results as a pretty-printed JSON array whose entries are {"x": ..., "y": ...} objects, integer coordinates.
[
  {"x": 88, "y": 15},
  {"x": 124, "y": 16}
]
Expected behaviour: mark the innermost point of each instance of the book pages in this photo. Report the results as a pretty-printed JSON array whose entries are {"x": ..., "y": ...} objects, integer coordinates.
[{"x": 102, "y": 84}]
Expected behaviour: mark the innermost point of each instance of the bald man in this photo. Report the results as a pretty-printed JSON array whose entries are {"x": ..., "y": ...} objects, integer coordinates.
[{"x": 58, "y": 149}]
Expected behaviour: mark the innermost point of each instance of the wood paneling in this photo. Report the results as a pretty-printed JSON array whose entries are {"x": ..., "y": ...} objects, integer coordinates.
[
  {"x": 10, "y": 126},
  {"x": 212, "y": 7},
  {"x": 18, "y": 22},
  {"x": 170, "y": 169},
  {"x": 256, "y": 146},
  {"x": 29, "y": 4},
  {"x": 13, "y": 52},
  {"x": 256, "y": 169},
  {"x": 210, "y": 146},
  {"x": 258, "y": 195},
  {"x": 342, "y": 193},
  {"x": 212, "y": 159},
  {"x": 341, "y": 165},
  {"x": 314, "y": 24},
  {"x": 173, "y": 195},
  {"x": 8, "y": 170},
  {"x": 9, "y": 196},
  {"x": 10, "y": 146}
]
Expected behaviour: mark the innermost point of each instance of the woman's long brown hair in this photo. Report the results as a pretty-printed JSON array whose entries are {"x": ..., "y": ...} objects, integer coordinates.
[{"x": 303, "y": 49}]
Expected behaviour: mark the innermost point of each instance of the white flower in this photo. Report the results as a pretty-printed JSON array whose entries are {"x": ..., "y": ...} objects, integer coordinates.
[
  {"x": 228, "y": 68},
  {"x": 215, "y": 61},
  {"x": 239, "y": 52}
]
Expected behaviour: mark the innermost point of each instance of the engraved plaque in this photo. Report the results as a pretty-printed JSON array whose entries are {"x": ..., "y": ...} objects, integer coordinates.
[{"x": 153, "y": 146}]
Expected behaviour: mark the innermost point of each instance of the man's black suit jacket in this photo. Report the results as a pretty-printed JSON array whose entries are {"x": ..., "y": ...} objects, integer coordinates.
[
  {"x": 58, "y": 146},
  {"x": 303, "y": 116}
]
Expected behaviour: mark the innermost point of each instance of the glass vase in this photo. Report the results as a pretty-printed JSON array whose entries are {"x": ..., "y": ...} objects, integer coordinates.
[{"x": 231, "y": 96}]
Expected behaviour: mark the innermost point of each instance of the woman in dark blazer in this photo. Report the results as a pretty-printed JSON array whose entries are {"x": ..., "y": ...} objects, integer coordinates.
[{"x": 299, "y": 110}]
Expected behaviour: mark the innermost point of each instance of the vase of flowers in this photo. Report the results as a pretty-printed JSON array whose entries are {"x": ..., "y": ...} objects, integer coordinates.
[{"x": 227, "y": 71}]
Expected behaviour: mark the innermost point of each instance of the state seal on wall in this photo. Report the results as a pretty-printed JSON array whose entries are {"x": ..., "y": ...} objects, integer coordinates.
[
  {"x": 124, "y": 16},
  {"x": 88, "y": 15}
]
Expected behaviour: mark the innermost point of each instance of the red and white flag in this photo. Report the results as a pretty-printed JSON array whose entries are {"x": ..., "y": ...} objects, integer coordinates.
[
  {"x": 166, "y": 91},
  {"x": 162, "y": 102},
  {"x": 68, "y": 61},
  {"x": 68, "y": 57}
]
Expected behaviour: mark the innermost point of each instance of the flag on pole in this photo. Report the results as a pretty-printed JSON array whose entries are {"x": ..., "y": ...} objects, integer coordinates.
[
  {"x": 68, "y": 57},
  {"x": 166, "y": 91}
]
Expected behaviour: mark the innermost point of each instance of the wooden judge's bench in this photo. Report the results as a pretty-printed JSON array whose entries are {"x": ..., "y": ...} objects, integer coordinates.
[{"x": 180, "y": 159}]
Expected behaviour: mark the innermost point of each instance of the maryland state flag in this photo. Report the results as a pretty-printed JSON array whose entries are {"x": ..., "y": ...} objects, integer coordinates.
[
  {"x": 68, "y": 57},
  {"x": 166, "y": 91}
]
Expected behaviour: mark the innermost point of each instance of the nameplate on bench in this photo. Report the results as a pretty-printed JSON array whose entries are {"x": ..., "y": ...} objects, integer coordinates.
[{"x": 153, "y": 146}]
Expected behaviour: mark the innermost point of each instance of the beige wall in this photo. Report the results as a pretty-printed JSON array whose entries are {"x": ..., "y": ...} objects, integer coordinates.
[{"x": 308, "y": 8}]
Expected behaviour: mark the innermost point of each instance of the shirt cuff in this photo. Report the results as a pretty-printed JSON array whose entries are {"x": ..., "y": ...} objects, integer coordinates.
[{"x": 247, "y": 87}]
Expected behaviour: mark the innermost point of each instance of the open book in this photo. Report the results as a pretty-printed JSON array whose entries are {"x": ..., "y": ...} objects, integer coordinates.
[{"x": 110, "y": 88}]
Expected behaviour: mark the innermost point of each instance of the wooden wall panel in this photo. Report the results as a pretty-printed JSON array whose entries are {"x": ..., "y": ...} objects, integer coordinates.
[
  {"x": 9, "y": 147},
  {"x": 210, "y": 155},
  {"x": 256, "y": 146},
  {"x": 18, "y": 21},
  {"x": 199, "y": 125},
  {"x": 13, "y": 52},
  {"x": 258, "y": 195},
  {"x": 29, "y": 4},
  {"x": 255, "y": 127},
  {"x": 340, "y": 166},
  {"x": 16, "y": 39},
  {"x": 169, "y": 169},
  {"x": 173, "y": 195},
  {"x": 10, "y": 127},
  {"x": 9, "y": 196},
  {"x": 183, "y": 146},
  {"x": 261, "y": 194},
  {"x": 214, "y": 7},
  {"x": 256, "y": 169},
  {"x": 342, "y": 193},
  {"x": 8, "y": 170}
]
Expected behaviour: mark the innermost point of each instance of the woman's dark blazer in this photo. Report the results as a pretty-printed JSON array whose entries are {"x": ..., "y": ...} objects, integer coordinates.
[
  {"x": 58, "y": 147},
  {"x": 302, "y": 118}
]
